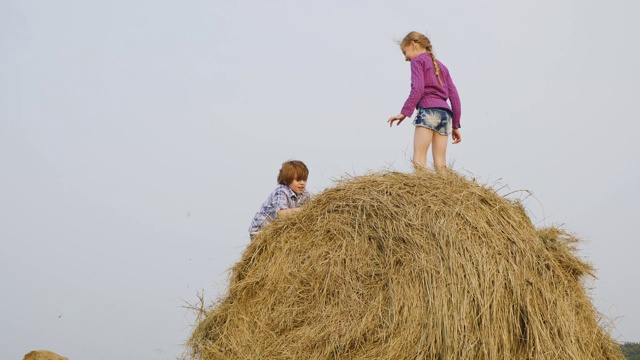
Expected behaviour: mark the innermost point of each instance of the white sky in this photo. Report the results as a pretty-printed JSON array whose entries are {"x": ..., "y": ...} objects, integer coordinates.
[{"x": 138, "y": 138}]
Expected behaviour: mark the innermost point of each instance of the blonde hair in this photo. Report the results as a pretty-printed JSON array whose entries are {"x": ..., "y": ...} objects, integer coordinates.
[{"x": 423, "y": 41}]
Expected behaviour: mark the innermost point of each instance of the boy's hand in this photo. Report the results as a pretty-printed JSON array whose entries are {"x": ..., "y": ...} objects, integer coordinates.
[
  {"x": 456, "y": 136},
  {"x": 397, "y": 118},
  {"x": 287, "y": 212}
]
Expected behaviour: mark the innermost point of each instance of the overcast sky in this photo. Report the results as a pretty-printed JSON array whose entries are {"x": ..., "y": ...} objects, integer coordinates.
[{"x": 138, "y": 138}]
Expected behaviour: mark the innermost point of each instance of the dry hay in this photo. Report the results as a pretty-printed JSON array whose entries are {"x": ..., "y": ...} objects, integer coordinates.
[
  {"x": 406, "y": 266},
  {"x": 43, "y": 355}
]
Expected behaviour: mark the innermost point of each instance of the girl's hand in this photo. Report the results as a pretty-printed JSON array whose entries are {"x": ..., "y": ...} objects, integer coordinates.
[
  {"x": 456, "y": 136},
  {"x": 397, "y": 118}
]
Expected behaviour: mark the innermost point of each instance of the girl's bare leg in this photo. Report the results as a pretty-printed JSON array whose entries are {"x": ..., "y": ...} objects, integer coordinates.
[
  {"x": 421, "y": 141},
  {"x": 439, "y": 149}
]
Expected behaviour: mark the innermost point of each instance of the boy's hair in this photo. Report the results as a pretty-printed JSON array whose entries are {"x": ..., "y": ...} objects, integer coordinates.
[
  {"x": 423, "y": 41},
  {"x": 292, "y": 170}
]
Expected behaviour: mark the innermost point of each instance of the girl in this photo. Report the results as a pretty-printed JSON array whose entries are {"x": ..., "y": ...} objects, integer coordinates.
[{"x": 431, "y": 86}]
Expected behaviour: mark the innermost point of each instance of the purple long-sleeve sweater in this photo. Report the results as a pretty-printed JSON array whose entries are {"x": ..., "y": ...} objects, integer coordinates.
[{"x": 427, "y": 92}]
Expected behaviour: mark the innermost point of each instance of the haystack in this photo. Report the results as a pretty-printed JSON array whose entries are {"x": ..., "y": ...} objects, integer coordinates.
[
  {"x": 43, "y": 355},
  {"x": 406, "y": 266}
]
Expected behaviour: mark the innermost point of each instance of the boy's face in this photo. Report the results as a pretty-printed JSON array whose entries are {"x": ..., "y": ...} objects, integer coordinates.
[{"x": 298, "y": 186}]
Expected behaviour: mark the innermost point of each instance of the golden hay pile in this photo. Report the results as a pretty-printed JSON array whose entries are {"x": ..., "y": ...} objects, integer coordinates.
[{"x": 406, "y": 266}]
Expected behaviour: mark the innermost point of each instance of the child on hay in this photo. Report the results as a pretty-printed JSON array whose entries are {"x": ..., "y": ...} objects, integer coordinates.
[
  {"x": 431, "y": 86},
  {"x": 287, "y": 198}
]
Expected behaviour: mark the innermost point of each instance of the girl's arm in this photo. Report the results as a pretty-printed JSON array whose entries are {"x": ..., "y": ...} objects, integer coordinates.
[
  {"x": 455, "y": 101},
  {"x": 417, "y": 87}
]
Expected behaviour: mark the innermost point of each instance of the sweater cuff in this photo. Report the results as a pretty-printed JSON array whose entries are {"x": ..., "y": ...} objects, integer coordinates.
[{"x": 406, "y": 112}]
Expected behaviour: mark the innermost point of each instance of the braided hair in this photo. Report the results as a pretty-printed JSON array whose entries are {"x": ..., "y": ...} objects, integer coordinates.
[{"x": 423, "y": 41}]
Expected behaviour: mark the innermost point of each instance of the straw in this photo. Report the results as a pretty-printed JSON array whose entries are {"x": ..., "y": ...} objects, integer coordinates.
[{"x": 406, "y": 266}]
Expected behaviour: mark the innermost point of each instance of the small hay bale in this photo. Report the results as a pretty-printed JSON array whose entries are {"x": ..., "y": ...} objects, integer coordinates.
[
  {"x": 43, "y": 355},
  {"x": 406, "y": 266}
]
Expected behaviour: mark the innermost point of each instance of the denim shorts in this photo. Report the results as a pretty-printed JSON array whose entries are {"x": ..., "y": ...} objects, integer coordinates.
[{"x": 436, "y": 119}]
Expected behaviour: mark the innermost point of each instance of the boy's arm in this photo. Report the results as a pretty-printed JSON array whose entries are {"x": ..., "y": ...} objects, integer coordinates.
[
  {"x": 287, "y": 212},
  {"x": 282, "y": 203}
]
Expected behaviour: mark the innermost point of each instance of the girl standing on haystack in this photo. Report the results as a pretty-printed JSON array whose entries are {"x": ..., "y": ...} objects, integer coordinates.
[{"x": 431, "y": 87}]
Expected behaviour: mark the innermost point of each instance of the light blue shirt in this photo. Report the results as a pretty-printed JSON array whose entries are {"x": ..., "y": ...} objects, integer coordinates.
[{"x": 281, "y": 198}]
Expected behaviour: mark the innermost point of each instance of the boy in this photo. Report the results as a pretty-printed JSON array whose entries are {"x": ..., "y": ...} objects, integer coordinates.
[{"x": 288, "y": 198}]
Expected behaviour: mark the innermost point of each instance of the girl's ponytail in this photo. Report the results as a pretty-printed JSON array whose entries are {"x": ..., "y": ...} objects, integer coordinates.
[{"x": 435, "y": 65}]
